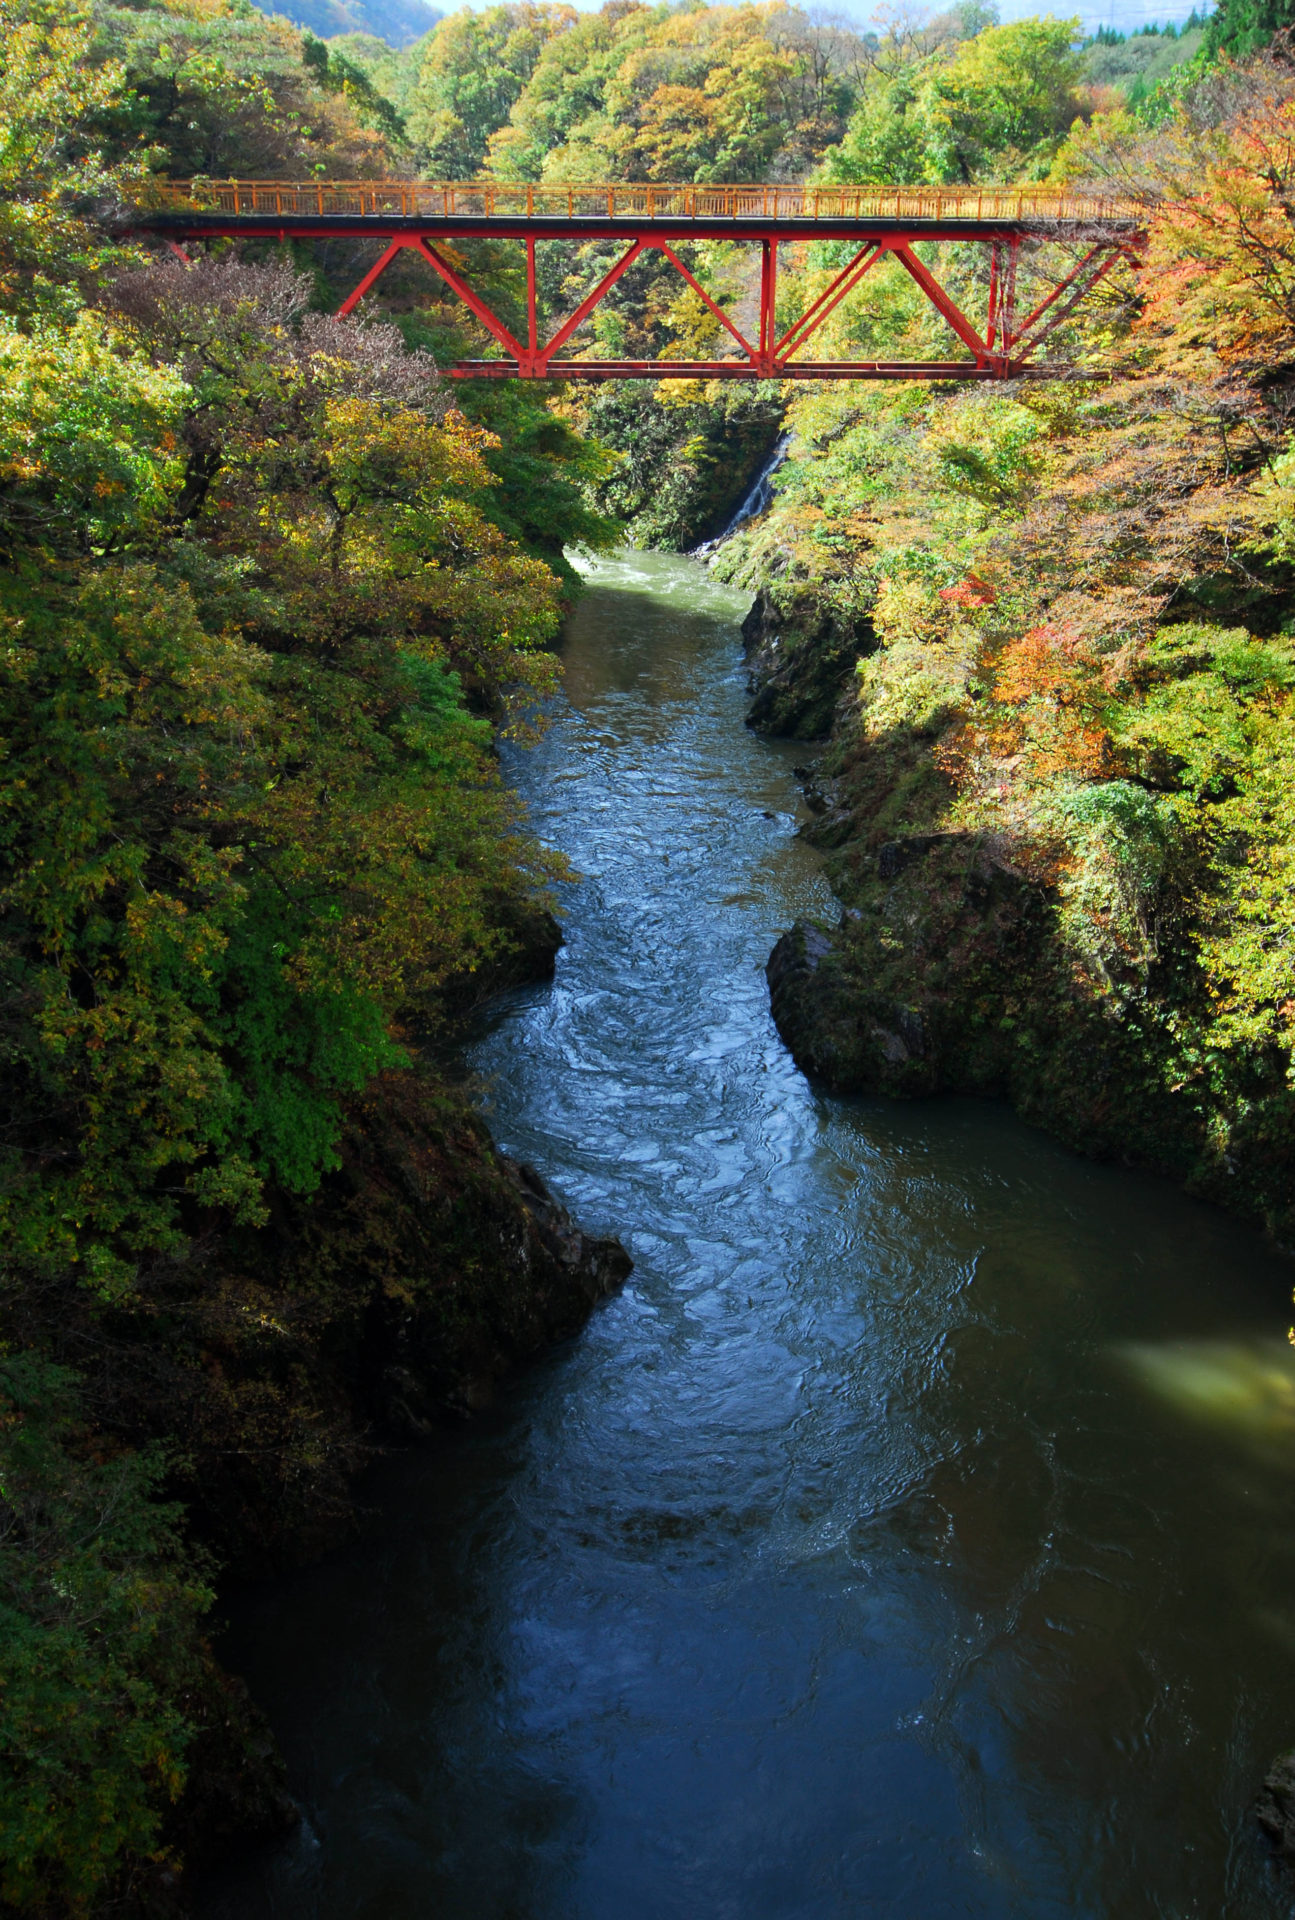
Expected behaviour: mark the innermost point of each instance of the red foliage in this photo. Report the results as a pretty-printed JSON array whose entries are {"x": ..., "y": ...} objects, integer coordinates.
[{"x": 971, "y": 592}]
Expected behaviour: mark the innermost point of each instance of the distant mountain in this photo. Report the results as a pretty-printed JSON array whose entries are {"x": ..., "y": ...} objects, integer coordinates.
[{"x": 398, "y": 22}]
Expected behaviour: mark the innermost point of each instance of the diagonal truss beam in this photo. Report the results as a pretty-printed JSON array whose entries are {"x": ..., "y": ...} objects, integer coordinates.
[
  {"x": 587, "y": 306},
  {"x": 697, "y": 288},
  {"x": 1057, "y": 291},
  {"x": 939, "y": 299},
  {"x": 472, "y": 300},
  {"x": 375, "y": 272},
  {"x": 1099, "y": 268},
  {"x": 814, "y": 316},
  {"x": 1002, "y": 353}
]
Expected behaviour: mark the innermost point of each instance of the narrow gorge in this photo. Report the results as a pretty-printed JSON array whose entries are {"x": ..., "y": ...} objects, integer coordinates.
[{"x": 908, "y": 1519}]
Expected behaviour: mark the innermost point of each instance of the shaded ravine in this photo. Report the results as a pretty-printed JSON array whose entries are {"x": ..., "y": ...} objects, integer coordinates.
[{"x": 912, "y": 1538}]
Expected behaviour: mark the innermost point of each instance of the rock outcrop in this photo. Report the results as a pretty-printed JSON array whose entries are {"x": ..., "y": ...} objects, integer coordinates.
[
  {"x": 800, "y": 655},
  {"x": 946, "y": 972},
  {"x": 1275, "y": 1809},
  {"x": 852, "y": 1040}
]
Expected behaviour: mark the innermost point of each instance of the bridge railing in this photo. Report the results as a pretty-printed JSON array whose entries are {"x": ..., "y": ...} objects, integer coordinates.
[{"x": 507, "y": 200}]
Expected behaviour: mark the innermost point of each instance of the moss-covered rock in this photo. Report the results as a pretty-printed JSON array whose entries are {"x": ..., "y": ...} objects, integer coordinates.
[
  {"x": 854, "y": 1040},
  {"x": 800, "y": 654}
]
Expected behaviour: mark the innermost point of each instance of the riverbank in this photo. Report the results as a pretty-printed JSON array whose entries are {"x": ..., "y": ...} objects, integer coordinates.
[
  {"x": 1052, "y": 796},
  {"x": 426, "y": 1274}
]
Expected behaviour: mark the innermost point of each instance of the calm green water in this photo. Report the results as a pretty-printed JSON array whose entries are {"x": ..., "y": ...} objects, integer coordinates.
[{"x": 913, "y": 1538}]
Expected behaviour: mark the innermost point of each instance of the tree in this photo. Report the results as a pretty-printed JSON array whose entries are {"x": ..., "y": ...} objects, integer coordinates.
[
  {"x": 475, "y": 68},
  {"x": 996, "y": 104},
  {"x": 336, "y": 74},
  {"x": 1241, "y": 28},
  {"x": 100, "y": 1607},
  {"x": 703, "y": 93},
  {"x": 51, "y": 101},
  {"x": 219, "y": 90},
  {"x": 248, "y": 815},
  {"x": 1221, "y": 265}
]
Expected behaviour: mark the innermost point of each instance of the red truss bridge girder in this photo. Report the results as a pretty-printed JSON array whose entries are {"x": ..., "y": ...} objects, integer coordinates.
[
  {"x": 1000, "y": 349},
  {"x": 1002, "y": 352}
]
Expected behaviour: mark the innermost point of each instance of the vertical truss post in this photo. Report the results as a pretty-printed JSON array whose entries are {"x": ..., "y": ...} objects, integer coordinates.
[
  {"x": 991, "y": 318},
  {"x": 532, "y": 318},
  {"x": 768, "y": 300},
  {"x": 1007, "y": 297}
]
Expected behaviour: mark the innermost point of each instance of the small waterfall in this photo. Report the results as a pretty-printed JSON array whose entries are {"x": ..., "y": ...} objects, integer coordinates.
[{"x": 757, "y": 501}]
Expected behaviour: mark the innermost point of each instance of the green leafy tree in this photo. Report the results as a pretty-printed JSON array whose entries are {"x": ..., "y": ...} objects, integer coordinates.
[
  {"x": 220, "y": 90},
  {"x": 100, "y": 1612},
  {"x": 1241, "y": 28},
  {"x": 333, "y": 72},
  {"x": 996, "y": 105},
  {"x": 548, "y": 474},
  {"x": 51, "y": 99},
  {"x": 475, "y": 68},
  {"x": 706, "y": 93}
]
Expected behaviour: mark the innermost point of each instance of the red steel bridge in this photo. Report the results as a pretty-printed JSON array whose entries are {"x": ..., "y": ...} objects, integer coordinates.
[{"x": 1089, "y": 236}]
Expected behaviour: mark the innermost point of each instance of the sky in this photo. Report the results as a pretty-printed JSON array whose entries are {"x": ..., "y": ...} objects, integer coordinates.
[{"x": 1123, "y": 14}]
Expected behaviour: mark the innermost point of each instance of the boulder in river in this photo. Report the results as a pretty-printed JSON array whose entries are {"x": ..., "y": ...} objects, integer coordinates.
[{"x": 854, "y": 1040}]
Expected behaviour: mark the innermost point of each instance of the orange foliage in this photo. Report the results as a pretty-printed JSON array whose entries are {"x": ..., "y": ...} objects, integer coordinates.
[
  {"x": 1052, "y": 672},
  {"x": 1049, "y": 663},
  {"x": 1220, "y": 268}
]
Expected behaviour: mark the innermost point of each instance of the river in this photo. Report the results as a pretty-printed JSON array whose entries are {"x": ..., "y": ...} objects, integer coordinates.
[{"x": 912, "y": 1538}]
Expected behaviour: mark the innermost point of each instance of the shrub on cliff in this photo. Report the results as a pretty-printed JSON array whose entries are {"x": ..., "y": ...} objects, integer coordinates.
[{"x": 100, "y": 1610}]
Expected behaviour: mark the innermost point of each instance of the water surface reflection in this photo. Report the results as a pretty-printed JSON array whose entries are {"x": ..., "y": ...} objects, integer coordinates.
[{"x": 857, "y": 1560}]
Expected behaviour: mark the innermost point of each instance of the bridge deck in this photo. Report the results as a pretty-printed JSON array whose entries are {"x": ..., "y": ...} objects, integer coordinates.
[
  {"x": 879, "y": 222},
  {"x": 435, "y": 205}
]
